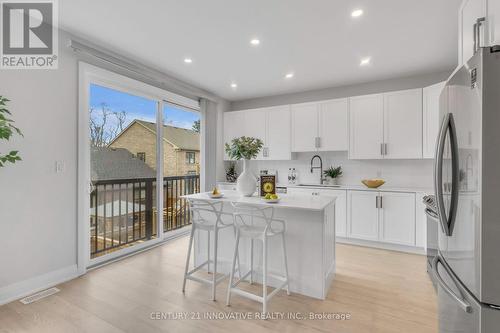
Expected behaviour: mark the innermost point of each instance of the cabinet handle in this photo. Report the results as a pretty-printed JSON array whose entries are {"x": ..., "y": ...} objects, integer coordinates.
[
  {"x": 385, "y": 148},
  {"x": 381, "y": 202},
  {"x": 382, "y": 149},
  {"x": 376, "y": 202}
]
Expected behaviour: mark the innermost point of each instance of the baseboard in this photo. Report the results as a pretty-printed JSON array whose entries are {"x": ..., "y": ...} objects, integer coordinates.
[
  {"x": 380, "y": 245},
  {"x": 27, "y": 287}
]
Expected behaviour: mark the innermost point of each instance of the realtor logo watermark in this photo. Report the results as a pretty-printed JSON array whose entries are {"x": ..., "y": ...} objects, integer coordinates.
[{"x": 29, "y": 34}]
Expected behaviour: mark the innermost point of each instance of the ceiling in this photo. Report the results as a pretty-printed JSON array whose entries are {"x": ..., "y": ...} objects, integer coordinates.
[{"x": 317, "y": 40}]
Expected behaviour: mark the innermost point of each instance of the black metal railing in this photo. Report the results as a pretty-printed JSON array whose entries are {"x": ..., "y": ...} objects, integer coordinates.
[{"x": 124, "y": 211}]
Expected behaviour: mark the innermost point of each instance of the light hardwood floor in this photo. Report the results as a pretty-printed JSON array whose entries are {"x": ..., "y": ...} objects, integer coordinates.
[{"x": 383, "y": 291}]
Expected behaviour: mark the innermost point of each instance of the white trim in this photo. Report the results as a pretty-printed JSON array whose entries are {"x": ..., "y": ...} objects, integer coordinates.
[
  {"x": 27, "y": 287},
  {"x": 381, "y": 245},
  {"x": 91, "y": 74}
]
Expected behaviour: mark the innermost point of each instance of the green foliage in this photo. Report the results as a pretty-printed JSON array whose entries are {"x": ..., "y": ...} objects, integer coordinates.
[
  {"x": 333, "y": 172},
  {"x": 7, "y": 130},
  {"x": 244, "y": 148}
]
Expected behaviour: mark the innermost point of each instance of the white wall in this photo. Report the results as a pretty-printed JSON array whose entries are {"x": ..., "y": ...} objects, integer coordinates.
[
  {"x": 38, "y": 207},
  {"x": 398, "y": 173}
]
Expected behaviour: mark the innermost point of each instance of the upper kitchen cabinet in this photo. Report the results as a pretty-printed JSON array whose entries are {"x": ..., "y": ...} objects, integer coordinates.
[
  {"x": 403, "y": 124},
  {"x": 366, "y": 135},
  {"x": 271, "y": 125},
  {"x": 471, "y": 15},
  {"x": 334, "y": 125},
  {"x": 320, "y": 126},
  {"x": 386, "y": 125},
  {"x": 234, "y": 127},
  {"x": 304, "y": 127},
  {"x": 431, "y": 120}
]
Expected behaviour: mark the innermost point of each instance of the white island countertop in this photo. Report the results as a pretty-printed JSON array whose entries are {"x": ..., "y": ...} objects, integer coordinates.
[{"x": 313, "y": 203}]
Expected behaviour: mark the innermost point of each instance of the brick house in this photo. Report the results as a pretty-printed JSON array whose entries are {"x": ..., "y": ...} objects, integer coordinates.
[{"x": 181, "y": 147}]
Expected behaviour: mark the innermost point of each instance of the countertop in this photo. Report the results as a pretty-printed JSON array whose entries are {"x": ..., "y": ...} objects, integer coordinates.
[
  {"x": 385, "y": 187},
  {"x": 312, "y": 203}
]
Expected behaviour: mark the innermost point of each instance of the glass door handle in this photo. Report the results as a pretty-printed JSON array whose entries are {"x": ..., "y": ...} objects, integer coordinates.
[{"x": 466, "y": 307}]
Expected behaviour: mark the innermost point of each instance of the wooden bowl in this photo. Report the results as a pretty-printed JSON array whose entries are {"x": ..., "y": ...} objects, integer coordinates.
[{"x": 373, "y": 183}]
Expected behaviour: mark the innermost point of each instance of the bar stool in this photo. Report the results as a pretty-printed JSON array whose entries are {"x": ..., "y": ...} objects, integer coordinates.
[
  {"x": 257, "y": 223},
  {"x": 207, "y": 216}
]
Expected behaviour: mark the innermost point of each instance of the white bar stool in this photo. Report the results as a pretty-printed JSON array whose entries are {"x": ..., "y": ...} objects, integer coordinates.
[
  {"x": 257, "y": 223},
  {"x": 207, "y": 216}
]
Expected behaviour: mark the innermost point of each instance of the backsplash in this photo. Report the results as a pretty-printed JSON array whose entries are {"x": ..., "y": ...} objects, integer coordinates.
[{"x": 398, "y": 173}]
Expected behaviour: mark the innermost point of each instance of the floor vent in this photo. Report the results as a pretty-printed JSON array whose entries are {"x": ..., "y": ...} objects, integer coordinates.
[{"x": 38, "y": 296}]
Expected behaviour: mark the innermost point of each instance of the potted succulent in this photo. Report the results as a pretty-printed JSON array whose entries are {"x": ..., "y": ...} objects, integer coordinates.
[
  {"x": 332, "y": 174},
  {"x": 245, "y": 148},
  {"x": 7, "y": 130},
  {"x": 231, "y": 174}
]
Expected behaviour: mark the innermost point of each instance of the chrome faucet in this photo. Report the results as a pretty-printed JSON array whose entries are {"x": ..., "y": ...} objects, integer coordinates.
[{"x": 320, "y": 167}]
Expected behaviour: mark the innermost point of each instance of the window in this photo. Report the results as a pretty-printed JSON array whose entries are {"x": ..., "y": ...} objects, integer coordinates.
[
  {"x": 190, "y": 157},
  {"x": 141, "y": 156}
]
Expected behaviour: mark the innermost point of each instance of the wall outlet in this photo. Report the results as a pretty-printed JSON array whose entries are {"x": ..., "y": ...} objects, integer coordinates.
[{"x": 379, "y": 174}]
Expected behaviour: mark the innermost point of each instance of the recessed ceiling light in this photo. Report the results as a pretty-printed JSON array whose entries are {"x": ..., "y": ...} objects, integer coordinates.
[
  {"x": 255, "y": 42},
  {"x": 234, "y": 85},
  {"x": 289, "y": 76},
  {"x": 365, "y": 61},
  {"x": 188, "y": 60},
  {"x": 357, "y": 13}
]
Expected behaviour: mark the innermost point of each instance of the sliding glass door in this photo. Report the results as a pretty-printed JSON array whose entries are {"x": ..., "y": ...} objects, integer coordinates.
[{"x": 123, "y": 164}]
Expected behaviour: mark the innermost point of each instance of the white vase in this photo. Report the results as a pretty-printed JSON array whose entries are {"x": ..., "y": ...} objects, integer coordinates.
[{"x": 246, "y": 183}]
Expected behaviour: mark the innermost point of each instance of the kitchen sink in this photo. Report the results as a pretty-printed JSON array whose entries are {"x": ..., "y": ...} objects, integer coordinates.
[{"x": 318, "y": 185}]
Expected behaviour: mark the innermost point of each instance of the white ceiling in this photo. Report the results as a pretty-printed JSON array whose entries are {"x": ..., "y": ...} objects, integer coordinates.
[{"x": 316, "y": 39}]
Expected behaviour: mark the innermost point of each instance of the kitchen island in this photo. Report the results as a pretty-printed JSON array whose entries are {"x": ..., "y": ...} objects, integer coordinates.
[{"x": 310, "y": 240}]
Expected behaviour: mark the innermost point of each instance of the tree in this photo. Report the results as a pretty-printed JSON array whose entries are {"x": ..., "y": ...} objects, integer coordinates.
[
  {"x": 196, "y": 126},
  {"x": 105, "y": 125},
  {"x": 7, "y": 129}
]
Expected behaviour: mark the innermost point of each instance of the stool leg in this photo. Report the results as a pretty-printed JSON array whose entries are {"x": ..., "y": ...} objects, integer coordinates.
[
  {"x": 208, "y": 251},
  {"x": 251, "y": 261},
  {"x": 231, "y": 275},
  {"x": 188, "y": 258},
  {"x": 264, "y": 274},
  {"x": 214, "y": 277},
  {"x": 238, "y": 255},
  {"x": 285, "y": 262}
]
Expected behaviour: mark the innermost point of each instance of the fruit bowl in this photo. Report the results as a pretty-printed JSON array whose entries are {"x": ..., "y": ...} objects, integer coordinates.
[
  {"x": 215, "y": 196},
  {"x": 270, "y": 200},
  {"x": 373, "y": 183}
]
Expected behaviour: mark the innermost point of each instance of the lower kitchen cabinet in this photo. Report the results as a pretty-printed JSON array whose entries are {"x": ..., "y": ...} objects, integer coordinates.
[
  {"x": 397, "y": 218},
  {"x": 340, "y": 205},
  {"x": 363, "y": 215}
]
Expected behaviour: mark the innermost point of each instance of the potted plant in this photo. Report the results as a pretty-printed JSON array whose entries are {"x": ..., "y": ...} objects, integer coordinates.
[
  {"x": 245, "y": 148},
  {"x": 231, "y": 174},
  {"x": 6, "y": 132},
  {"x": 333, "y": 174}
]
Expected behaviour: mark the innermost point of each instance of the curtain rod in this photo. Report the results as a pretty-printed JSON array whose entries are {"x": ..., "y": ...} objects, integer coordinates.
[{"x": 162, "y": 80}]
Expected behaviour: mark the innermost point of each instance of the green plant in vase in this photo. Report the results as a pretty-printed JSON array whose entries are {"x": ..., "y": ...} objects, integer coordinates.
[
  {"x": 7, "y": 130},
  {"x": 333, "y": 174},
  {"x": 245, "y": 148}
]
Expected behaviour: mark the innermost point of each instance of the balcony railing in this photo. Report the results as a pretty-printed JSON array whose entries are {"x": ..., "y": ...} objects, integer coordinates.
[{"x": 124, "y": 211}]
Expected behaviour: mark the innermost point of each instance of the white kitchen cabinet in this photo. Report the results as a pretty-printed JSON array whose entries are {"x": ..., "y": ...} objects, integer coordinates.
[
  {"x": 431, "y": 120},
  {"x": 386, "y": 126},
  {"x": 340, "y": 205},
  {"x": 320, "y": 126},
  {"x": 234, "y": 126},
  {"x": 397, "y": 218},
  {"x": 366, "y": 124},
  {"x": 470, "y": 11},
  {"x": 363, "y": 215},
  {"x": 271, "y": 125},
  {"x": 489, "y": 32},
  {"x": 255, "y": 124},
  {"x": 403, "y": 124},
  {"x": 334, "y": 125},
  {"x": 278, "y": 145},
  {"x": 381, "y": 216},
  {"x": 304, "y": 127}
]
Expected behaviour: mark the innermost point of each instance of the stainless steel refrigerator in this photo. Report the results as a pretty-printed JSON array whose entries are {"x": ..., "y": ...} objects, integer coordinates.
[{"x": 467, "y": 189}]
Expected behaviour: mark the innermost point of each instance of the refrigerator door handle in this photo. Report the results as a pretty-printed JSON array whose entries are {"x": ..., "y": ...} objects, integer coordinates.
[
  {"x": 466, "y": 307},
  {"x": 447, "y": 222}
]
